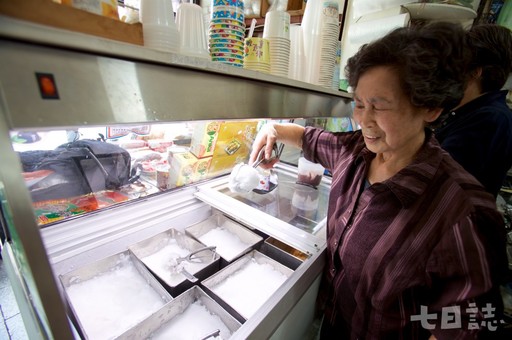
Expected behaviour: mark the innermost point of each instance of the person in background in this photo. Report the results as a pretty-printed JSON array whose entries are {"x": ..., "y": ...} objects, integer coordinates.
[
  {"x": 415, "y": 247},
  {"x": 478, "y": 132}
]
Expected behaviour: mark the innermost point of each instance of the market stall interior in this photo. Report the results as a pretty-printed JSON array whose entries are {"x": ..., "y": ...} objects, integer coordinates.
[
  {"x": 110, "y": 178},
  {"x": 115, "y": 171}
]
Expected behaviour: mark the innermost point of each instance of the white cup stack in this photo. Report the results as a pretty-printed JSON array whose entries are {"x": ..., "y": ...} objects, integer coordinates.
[
  {"x": 190, "y": 22},
  {"x": 320, "y": 29},
  {"x": 277, "y": 30},
  {"x": 158, "y": 27},
  {"x": 297, "y": 56}
]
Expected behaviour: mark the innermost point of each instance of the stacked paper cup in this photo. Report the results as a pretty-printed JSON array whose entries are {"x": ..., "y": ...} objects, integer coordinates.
[
  {"x": 337, "y": 68},
  {"x": 226, "y": 32},
  {"x": 257, "y": 54},
  {"x": 320, "y": 29},
  {"x": 330, "y": 34},
  {"x": 277, "y": 31},
  {"x": 158, "y": 27}
]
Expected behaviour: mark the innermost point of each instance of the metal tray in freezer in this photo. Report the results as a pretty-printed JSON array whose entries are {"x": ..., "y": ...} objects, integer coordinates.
[
  {"x": 103, "y": 267},
  {"x": 219, "y": 220},
  {"x": 210, "y": 283},
  {"x": 283, "y": 253},
  {"x": 176, "y": 307},
  {"x": 179, "y": 283}
]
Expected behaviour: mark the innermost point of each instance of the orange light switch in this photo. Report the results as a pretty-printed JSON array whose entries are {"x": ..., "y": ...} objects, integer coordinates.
[{"x": 47, "y": 86}]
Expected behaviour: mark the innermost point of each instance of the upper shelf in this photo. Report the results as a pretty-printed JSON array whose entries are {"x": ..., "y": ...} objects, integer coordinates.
[
  {"x": 432, "y": 11},
  {"x": 105, "y": 82}
]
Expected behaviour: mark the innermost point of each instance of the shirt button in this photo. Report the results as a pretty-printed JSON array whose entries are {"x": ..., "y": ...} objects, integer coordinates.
[
  {"x": 333, "y": 271},
  {"x": 335, "y": 244}
]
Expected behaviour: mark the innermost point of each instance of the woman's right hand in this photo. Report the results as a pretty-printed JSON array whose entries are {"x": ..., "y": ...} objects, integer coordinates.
[
  {"x": 266, "y": 138},
  {"x": 271, "y": 133}
]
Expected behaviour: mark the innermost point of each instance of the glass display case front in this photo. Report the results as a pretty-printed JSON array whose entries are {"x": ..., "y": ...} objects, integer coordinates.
[{"x": 77, "y": 171}]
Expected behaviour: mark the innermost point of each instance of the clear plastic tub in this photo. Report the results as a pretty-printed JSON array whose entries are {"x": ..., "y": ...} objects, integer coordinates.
[{"x": 309, "y": 173}]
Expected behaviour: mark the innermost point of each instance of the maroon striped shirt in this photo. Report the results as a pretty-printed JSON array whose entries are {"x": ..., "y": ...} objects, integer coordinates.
[{"x": 428, "y": 236}]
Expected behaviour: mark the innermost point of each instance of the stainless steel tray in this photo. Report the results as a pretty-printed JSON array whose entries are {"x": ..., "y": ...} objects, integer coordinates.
[
  {"x": 101, "y": 267},
  {"x": 166, "y": 314},
  {"x": 177, "y": 283},
  {"x": 283, "y": 253},
  {"x": 219, "y": 220},
  {"x": 210, "y": 283}
]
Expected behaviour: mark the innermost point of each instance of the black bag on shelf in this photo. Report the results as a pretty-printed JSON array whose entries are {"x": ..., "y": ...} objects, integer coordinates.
[{"x": 78, "y": 168}]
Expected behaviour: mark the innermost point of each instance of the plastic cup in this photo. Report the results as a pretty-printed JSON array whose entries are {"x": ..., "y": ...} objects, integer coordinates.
[
  {"x": 297, "y": 56},
  {"x": 319, "y": 17},
  {"x": 309, "y": 173},
  {"x": 277, "y": 25},
  {"x": 279, "y": 56},
  {"x": 161, "y": 37},
  {"x": 305, "y": 199},
  {"x": 156, "y": 12},
  {"x": 190, "y": 23}
]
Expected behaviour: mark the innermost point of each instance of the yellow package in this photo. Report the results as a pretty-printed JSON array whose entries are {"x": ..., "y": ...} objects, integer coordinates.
[
  {"x": 106, "y": 8},
  {"x": 185, "y": 168},
  {"x": 204, "y": 138},
  {"x": 233, "y": 146}
]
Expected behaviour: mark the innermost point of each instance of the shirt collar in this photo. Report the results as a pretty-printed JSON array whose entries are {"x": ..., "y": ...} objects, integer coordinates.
[
  {"x": 472, "y": 106},
  {"x": 413, "y": 180}
]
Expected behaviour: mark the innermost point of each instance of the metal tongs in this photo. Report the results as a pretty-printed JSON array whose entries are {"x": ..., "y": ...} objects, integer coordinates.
[
  {"x": 261, "y": 156},
  {"x": 192, "y": 257},
  {"x": 244, "y": 178}
]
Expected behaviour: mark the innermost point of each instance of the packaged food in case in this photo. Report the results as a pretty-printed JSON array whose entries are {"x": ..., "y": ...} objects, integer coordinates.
[
  {"x": 204, "y": 138},
  {"x": 233, "y": 146},
  {"x": 185, "y": 168}
]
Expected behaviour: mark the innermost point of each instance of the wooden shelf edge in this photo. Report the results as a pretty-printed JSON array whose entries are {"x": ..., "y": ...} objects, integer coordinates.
[{"x": 46, "y": 12}]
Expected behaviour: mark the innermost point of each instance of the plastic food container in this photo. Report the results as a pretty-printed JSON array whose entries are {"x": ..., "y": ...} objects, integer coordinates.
[
  {"x": 309, "y": 173},
  {"x": 112, "y": 295}
]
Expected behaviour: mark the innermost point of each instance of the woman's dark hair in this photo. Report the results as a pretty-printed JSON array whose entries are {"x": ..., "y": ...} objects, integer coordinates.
[
  {"x": 491, "y": 46},
  {"x": 430, "y": 62}
]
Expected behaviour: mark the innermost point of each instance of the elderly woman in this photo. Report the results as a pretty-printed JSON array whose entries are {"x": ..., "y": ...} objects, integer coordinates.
[{"x": 415, "y": 246}]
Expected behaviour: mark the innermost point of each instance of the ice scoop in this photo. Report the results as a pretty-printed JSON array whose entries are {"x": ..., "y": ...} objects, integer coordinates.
[{"x": 193, "y": 257}]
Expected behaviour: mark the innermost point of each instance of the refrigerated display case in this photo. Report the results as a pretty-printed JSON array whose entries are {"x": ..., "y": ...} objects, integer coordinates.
[{"x": 56, "y": 81}]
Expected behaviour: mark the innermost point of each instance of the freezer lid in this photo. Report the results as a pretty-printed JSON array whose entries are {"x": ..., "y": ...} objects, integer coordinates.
[{"x": 292, "y": 213}]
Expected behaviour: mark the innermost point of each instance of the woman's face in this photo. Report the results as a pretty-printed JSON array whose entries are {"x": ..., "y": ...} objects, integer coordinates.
[{"x": 390, "y": 124}]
